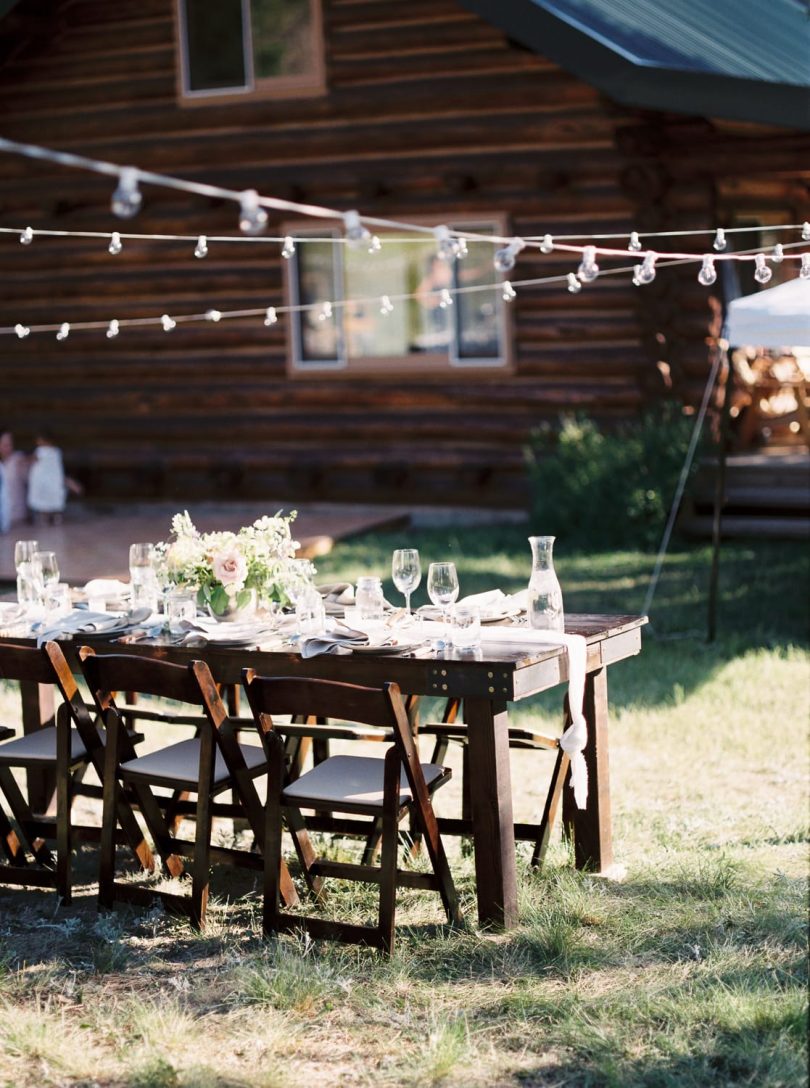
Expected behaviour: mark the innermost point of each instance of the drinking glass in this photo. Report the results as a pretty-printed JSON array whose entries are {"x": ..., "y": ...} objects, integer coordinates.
[
  {"x": 142, "y": 577},
  {"x": 309, "y": 612},
  {"x": 406, "y": 571},
  {"x": 57, "y": 599},
  {"x": 181, "y": 608},
  {"x": 24, "y": 552},
  {"x": 466, "y": 627},
  {"x": 46, "y": 568},
  {"x": 442, "y": 586}
]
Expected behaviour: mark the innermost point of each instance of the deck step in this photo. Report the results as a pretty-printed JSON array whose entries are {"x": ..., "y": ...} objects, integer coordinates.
[{"x": 779, "y": 528}]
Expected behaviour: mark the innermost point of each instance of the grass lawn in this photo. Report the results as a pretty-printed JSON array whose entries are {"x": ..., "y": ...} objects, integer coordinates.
[{"x": 691, "y": 971}]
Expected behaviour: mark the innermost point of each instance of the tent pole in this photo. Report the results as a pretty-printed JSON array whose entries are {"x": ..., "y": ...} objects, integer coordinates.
[{"x": 719, "y": 496}]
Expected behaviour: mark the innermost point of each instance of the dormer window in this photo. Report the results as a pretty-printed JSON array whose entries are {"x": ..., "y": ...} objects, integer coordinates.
[{"x": 261, "y": 48}]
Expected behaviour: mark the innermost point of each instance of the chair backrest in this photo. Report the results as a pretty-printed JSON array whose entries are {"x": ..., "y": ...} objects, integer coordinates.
[
  {"x": 108, "y": 673},
  {"x": 46, "y": 665},
  {"x": 278, "y": 696}
]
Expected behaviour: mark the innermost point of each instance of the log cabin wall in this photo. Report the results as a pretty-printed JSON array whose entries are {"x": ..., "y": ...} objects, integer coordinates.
[{"x": 429, "y": 111}]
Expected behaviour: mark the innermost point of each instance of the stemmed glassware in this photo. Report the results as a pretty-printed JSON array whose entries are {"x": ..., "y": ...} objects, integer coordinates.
[
  {"x": 406, "y": 571},
  {"x": 46, "y": 569},
  {"x": 442, "y": 586},
  {"x": 24, "y": 552}
]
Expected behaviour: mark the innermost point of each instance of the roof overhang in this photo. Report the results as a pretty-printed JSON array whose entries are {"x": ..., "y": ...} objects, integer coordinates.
[{"x": 645, "y": 85}]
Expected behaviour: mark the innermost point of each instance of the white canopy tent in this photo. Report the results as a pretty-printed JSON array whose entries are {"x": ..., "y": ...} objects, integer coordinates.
[{"x": 778, "y": 317}]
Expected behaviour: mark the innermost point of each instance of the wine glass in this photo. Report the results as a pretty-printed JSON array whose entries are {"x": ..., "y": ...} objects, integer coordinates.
[
  {"x": 47, "y": 568},
  {"x": 24, "y": 552},
  {"x": 406, "y": 571},
  {"x": 442, "y": 585}
]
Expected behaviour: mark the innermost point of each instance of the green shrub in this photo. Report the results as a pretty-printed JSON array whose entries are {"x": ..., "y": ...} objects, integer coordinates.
[{"x": 601, "y": 488}]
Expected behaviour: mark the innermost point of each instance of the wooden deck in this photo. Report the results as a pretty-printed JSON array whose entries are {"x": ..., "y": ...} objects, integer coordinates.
[
  {"x": 767, "y": 495},
  {"x": 94, "y": 542}
]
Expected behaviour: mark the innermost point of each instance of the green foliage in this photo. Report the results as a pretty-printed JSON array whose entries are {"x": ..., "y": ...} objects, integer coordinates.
[{"x": 602, "y": 489}]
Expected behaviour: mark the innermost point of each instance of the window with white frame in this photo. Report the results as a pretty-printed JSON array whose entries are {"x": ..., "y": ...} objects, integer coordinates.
[
  {"x": 258, "y": 47},
  {"x": 422, "y": 333}
]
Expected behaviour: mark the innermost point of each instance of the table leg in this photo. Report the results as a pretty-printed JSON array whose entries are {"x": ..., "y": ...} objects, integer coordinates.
[
  {"x": 591, "y": 826},
  {"x": 38, "y": 711},
  {"x": 491, "y": 802}
]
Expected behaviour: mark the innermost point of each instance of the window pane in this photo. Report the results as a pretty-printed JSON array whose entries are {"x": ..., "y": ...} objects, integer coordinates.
[
  {"x": 214, "y": 44},
  {"x": 283, "y": 39},
  {"x": 400, "y": 268},
  {"x": 318, "y": 341},
  {"x": 478, "y": 315}
]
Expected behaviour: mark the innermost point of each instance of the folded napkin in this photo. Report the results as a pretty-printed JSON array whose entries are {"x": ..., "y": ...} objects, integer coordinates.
[
  {"x": 575, "y": 738},
  {"x": 341, "y": 593},
  {"x": 82, "y": 622},
  {"x": 106, "y": 587}
]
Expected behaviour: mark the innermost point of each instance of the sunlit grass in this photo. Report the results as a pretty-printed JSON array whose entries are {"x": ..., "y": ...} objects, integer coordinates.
[{"x": 690, "y": 972}]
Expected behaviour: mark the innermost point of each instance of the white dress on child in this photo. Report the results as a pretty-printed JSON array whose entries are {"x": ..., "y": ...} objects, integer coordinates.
[{"x": 46, "y": 481}]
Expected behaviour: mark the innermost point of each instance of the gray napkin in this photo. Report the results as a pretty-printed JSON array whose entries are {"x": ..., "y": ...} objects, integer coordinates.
[
  {"x": 82, "y": 622},
  {"x": 336, "y": 597},
  {"x": 340, "y": 644}
]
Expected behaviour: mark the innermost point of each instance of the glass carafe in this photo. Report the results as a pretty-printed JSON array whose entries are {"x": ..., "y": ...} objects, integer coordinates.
[{"x": 545, "y": 596}]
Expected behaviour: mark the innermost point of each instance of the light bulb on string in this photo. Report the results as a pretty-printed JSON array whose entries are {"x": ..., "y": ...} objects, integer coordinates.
[
  {"x": 374, "y": 244},
  {"x": 64, "y": 331},
  {"x": 252, "y": 216},
  {"x": 325, "y": 312},
  {"x": 505, "y": 258},
  {"x": 386, "y": 306},
  {"x": 270, "y": 316},
  {"x": 127, "y": 198},
  {"x": 447, "y": 245},
  {"x": 112, "y": 329},
  {"x": 116, "y": 245},
  {"x": 508, "y": 292},
  {"x": 167, "y": 322},
  {"x": 720, "y": 240},
  {"x": 778, "y": 254},
  {"x": 547, "y": 244},
  {"x": 804, "y": 270},
  {"x": 288, "y": 248},
  {"x": 574, "y": 285},
  {"x": 356, "y": 234},
  {"x": 708, "y": 273},
  {"x": 445, "y": 299},
  {"x": 213, "y": 315},
  {"x": 26, "y": 236},
  {"x": 762, "y": 273},
  {"x": 588, "y": 269},
  {"x": 634, "y": 245},
  {"x": 22, "y": 331},
  {"x": 461, "y": 248},
  {"x": 201, "y": 248},
  {"x": 645, "y": 273},
  {"x": 806, "y": 231}
]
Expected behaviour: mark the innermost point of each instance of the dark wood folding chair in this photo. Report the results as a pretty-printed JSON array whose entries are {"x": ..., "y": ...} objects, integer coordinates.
[
  {"x": 452, "y": 730},
  {"x": 386, "y": 788},
  {"x": 64, "y": 751},
  {"x": 206, "y": 765}
]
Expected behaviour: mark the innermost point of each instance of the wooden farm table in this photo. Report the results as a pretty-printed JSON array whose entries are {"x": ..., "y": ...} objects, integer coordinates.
[{"x": 487, "y": 687}]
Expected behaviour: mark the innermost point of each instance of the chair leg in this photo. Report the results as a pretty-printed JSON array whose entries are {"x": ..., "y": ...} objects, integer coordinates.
[
  {"x": 552, "y": 805},
  {"x": 200, "y": 875},
  {"x": 21, "y": 812},
  {"x": 390, "y": 848},
  {"x": 372, "y": 842},
  {"x": 109, "y": 808},
  {"x": 63, "y": 805},
  {"x": 304, "y": 849},
  {"x": 9, "y": 842},
  {"x": 272, "y": 836}
]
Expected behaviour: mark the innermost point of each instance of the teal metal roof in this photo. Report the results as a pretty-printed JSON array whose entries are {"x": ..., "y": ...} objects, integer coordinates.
[{"x": 745, "y": 59}]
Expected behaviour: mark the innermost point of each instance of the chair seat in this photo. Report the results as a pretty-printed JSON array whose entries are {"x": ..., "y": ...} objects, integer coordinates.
[
  {"x": 178, "y": 764},
  {"x": 39, "y": 747},
  {"x": 353, "y": 780}
]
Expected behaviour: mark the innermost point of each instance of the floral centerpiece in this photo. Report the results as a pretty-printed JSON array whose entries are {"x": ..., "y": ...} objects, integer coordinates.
[{"x": 230, "y": 571}]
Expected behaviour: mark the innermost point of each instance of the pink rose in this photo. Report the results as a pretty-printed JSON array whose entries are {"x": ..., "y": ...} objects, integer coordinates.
[{"x": 230, "y": 568}]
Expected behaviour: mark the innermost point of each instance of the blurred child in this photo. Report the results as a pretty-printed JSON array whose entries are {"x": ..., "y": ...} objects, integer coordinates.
[{"x": 47, "y": 483}]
